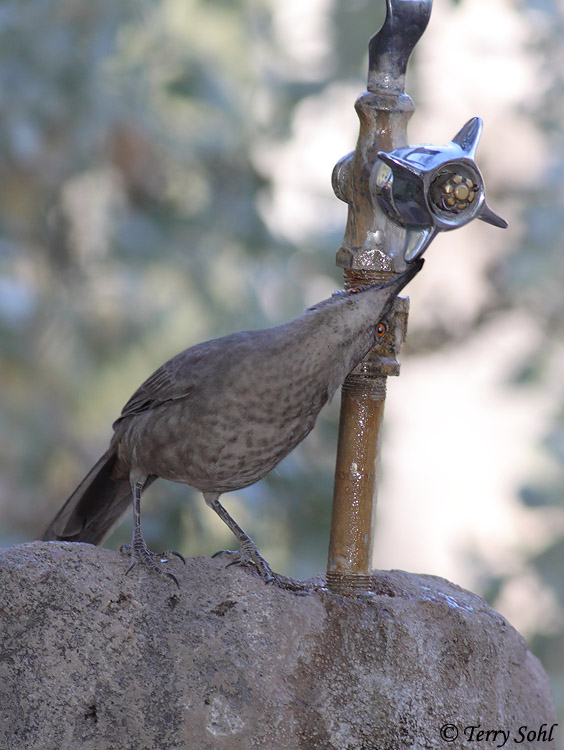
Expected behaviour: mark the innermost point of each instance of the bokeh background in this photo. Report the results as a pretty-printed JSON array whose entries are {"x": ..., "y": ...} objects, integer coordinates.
[{"x": 165, "y": 178}]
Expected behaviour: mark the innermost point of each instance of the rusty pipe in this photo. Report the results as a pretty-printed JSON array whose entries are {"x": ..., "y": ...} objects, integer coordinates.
[{"x": 372, "y": 250}]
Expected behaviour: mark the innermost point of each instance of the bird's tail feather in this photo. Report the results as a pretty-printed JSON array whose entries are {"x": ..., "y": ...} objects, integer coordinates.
[{"x": 94, "y": 507}]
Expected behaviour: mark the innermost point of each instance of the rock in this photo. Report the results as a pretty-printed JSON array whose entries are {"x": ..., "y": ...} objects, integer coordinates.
[{"x": 92, "y": 659}]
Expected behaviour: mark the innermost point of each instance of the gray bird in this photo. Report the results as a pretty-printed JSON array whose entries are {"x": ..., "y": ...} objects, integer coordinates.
[{"x": 220, "y": 415}]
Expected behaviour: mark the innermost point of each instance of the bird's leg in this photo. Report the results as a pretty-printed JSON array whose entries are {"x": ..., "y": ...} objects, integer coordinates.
[
  {"x": 138, "y": 549},
  {"x": 247, "y": 552}
]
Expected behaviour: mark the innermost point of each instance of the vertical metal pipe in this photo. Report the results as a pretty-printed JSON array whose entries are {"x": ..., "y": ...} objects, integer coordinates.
[
  {"x": 353, "y": 518},
  {"x": 351, "y": 544},
  {"x": 372, "y": 250}
]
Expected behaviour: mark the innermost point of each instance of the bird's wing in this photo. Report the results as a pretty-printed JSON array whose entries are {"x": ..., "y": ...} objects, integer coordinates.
[
  {"x": 174, "y": 380},
  {"x": 181, "y": 376}
]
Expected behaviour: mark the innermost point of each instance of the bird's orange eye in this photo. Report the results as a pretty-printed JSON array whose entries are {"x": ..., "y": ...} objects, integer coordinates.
[{"x": 380, "y": 330}]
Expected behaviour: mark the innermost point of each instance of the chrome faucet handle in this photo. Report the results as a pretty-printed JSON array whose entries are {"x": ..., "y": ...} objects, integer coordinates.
[{"x": 430, "y": 189}]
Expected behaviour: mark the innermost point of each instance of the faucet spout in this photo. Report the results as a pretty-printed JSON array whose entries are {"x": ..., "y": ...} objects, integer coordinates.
[{"x": 390, "y": 48}]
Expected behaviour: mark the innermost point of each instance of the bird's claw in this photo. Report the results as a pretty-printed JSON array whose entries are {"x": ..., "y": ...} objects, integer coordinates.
[
  {"x": 247, "y": 555},
  {"x": 126, "y": 549},
  {"x": 302, "y": 588},
  {"x": 140, "y": 553}
]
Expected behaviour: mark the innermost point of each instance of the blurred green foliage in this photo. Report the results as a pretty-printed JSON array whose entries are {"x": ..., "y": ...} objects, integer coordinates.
[
  {"x": 532, "y": 278},
  {"x": 129, "y": 230}
]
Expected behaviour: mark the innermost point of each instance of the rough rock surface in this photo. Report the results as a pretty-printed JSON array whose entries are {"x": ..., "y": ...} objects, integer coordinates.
[{"x": 92, "y": 659}]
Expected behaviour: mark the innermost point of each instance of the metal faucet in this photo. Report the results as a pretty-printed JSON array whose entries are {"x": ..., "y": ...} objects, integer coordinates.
[{"x": 399, "y": 197}]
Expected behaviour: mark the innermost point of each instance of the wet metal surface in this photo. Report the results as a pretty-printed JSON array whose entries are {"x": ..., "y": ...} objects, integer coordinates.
[
  {"x": 372, "y": 250},
  {"x": 351, "y": 544}
]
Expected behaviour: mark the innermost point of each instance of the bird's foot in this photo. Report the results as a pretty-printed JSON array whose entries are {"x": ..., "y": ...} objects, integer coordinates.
[
  {"x": 246, "y": 555},
  {"x": 298, "y": 587},
  {"x": 140, "y": 553}
]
